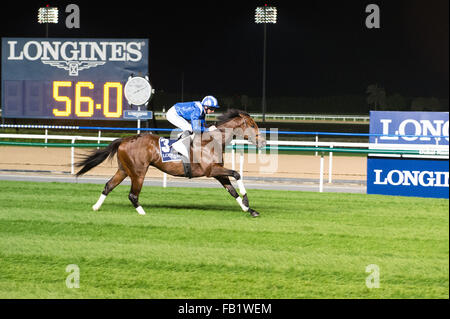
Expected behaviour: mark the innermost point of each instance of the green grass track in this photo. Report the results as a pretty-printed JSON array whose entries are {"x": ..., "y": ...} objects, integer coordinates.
[{"x": 197, "y": 243}]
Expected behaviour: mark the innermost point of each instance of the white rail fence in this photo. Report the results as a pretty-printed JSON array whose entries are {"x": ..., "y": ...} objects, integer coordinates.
[
  {"x": 298, "y": 117},
  {"x": 71, "y": 138},
  {"x": 427, "y": 151}
]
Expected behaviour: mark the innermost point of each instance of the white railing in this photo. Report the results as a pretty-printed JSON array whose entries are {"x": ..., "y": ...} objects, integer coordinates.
[
  {"x": 428, "y": 151},
  {"x": 296, "y": 117},
  {"x": 71, "y": 138},
  {"x": 442, "y": 150}
]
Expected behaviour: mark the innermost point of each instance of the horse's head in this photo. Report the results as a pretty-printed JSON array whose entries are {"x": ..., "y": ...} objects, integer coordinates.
[
  {"x": 242, "y": 125},
  {"x": 251, "y": 131}
]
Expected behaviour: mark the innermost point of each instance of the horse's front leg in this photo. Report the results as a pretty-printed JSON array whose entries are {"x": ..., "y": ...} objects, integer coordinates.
[{"x": 221, "y": 174}]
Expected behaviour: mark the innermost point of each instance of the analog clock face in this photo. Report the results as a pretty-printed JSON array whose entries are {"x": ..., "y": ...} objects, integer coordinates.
[{"x": 137, "y": 91}]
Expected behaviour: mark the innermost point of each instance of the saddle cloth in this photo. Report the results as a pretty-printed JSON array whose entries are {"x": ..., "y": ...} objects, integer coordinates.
[{"x": 168, "y": 154}]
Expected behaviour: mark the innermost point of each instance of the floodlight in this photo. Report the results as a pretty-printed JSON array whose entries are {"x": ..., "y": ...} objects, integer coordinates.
[
  {"x": 266, "y": 15},
  {"x": 48, "y": 15}
]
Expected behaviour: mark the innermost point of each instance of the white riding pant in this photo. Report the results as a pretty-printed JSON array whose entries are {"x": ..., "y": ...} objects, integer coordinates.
[{"x": 173, "y": 117}]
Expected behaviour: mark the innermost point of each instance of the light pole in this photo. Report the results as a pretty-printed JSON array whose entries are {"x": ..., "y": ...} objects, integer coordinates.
[
  {"x": 265, "y": 15},
  {"x": 47, "y": 15}
]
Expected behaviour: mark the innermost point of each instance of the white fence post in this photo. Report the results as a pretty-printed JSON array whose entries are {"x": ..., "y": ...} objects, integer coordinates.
[
  {"x": 233, "y": 156},
  {"x": 165, "y": 180},
  {"x": 72, "y": 157},
  {"x": 241, "y": 163},
  {"x": 317, "y": 145},
  {"x": 321, "y": 174},
  {"x": 330, "y": 166},
  {"x": 99, "y": 137}
]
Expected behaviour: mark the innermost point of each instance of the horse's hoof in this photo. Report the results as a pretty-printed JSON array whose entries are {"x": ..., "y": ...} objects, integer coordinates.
[
  {"x": 253, "y": 213},
  {"x": 140, "y": 210}
]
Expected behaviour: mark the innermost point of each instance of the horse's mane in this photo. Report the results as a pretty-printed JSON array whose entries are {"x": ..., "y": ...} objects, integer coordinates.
[{"x": 229, "y": 115}]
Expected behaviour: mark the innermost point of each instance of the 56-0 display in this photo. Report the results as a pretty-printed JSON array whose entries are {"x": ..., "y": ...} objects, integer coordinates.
[
  {"x": 83, "y": 105},
  {"x": 64, "y": 99},
  {"x": 69, "y": 78}
]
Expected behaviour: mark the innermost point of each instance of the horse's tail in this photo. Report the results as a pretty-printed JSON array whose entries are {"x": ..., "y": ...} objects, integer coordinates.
[{"x": 98, "y": 156}]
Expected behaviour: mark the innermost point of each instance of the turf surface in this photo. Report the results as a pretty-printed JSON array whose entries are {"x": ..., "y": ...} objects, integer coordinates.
[{"x": 197, "y": 243}]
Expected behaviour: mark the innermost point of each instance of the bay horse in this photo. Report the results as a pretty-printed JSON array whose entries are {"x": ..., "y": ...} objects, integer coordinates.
[{"x": 136, "y": 153}]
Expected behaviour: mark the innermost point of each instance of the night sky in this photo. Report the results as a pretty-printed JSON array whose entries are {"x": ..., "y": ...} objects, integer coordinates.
[{"x": 317, "y": 48}]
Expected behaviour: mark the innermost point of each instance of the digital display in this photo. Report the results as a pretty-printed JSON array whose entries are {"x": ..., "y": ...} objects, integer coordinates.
[{"x": 57, "y": 78}]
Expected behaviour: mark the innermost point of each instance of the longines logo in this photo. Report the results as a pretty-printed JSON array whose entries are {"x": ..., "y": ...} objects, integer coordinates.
[
  {"x": 75, "y": 56},
  {"x": 411, "y": 178},
  {"x": 73, "y": 66},
  {"x": 423, "y": 128}
]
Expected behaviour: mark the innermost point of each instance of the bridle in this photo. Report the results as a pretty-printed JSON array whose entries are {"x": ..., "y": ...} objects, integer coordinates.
[{"x": 256, "y": 135}]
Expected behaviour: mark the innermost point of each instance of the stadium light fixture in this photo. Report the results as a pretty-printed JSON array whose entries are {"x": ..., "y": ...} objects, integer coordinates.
[
  {"x": 47, "y": 15},
  {"x": 265, "y": 15}
]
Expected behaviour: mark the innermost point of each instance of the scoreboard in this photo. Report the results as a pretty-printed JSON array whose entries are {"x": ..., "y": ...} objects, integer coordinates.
[{"x": 65, "y": 78}]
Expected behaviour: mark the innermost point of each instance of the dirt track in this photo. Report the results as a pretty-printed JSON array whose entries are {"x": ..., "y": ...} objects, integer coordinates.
[{"x": 57, "y": 160}]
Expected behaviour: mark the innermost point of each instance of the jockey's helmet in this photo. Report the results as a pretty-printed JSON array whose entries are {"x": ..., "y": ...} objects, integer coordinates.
[{"x": 210, "y": 102}]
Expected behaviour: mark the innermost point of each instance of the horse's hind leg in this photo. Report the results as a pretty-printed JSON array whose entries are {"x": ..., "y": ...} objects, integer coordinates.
[
  {"x": 136, "y": 186},
  {"x": 136, "y": 168},
  {"x": 109, "y": 186}
]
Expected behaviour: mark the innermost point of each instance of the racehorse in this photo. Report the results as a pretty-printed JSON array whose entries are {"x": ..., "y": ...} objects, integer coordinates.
[{"x": 136, "y": 153}]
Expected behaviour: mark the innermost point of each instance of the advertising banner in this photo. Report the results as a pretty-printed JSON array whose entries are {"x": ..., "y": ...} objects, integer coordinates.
[
  {"x": 422, "y": 176},
  {"x": 408, "y": 177},
  {"x": 409, "y": 127}
]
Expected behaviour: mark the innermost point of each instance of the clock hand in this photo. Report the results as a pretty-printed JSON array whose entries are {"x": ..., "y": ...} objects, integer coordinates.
[{"x": 139, "y": 90}]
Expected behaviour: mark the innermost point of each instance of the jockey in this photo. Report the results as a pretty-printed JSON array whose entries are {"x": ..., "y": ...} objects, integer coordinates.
[{"x": 190, "y": 117}]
